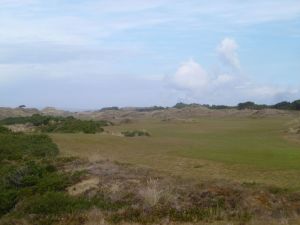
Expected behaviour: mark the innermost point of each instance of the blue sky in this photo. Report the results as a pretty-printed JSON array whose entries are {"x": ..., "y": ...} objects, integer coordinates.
[{"x": 93, "y": 53}]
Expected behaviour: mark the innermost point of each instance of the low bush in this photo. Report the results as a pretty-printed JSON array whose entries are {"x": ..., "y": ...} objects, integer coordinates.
[
  {"x": 4, "y": 130},
  {"x": 8, "y": 199},
  {"x": 72, "y": 125},
  {"x": 58, "y": 203},
  {"x": 57, "y": 124},
  {"x": 22, "y": 170},
  {"x": 55, "y": 203},
  {"x": 16, "y": 146},
  {"x": 35, "y": 119},
  {"x": 135, "y": 133}
]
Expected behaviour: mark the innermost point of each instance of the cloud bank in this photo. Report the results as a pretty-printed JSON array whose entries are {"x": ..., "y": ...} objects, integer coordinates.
[{"x": 195, "y": 84}]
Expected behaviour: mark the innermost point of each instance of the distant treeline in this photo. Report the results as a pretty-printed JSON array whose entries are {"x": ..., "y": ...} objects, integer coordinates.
[
  {"x": 55, "y": 124},
  {"x": 285, "y": 105},
  {"x": 295, "y": 105}
]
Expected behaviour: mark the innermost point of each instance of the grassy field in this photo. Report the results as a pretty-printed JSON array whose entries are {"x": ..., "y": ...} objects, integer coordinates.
[{"x": 237, "y": 149}]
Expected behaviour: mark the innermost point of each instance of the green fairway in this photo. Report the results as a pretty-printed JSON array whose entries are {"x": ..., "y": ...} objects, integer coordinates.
[
  {"x": 257, "y": 142},
  {"x": 240, "y": 149}
]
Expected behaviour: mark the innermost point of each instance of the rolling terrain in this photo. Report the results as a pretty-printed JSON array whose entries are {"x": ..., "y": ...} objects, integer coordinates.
[
  {"x": 168, "y": 166},
  {"x": 241, "y": 149}
]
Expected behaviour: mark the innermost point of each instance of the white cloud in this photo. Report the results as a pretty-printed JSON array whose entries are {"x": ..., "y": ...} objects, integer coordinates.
[
  {"x": 190, "y": 75},
  {"x": 224, "y": 78},
  {"x": 227, "y": 51},
  {"x": 198, "y": 85}
]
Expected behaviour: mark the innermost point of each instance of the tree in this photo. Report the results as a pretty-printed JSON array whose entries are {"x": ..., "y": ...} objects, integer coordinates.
[
  {"x": 296, "y": 105},
  {"x": 282, "y": 105},
  {"x": 246, "y": 105}
]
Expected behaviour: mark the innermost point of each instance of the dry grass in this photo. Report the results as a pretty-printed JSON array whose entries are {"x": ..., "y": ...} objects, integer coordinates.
[
  {"x": 83, "y": 186},
  {"x": 151, "y": 193},
  {"x": 145, "y": 191},
  {"x": 145, "y": 196}
]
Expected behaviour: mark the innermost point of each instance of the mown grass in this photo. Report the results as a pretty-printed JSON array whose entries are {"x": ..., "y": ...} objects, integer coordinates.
[{"x": 242, "y": 149}]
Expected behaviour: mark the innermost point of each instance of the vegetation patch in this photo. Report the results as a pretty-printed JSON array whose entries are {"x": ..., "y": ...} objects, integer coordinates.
[
  {"x": 52, "y": 124},
  {"x": 28, "y": 169},
  {"x": 135, "y": 133},
  {"x": 295, "y": 105}
]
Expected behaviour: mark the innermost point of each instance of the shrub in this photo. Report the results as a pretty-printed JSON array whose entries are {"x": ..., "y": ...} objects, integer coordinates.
[
  {"x": 135, "y": 133},
  {"x": 55, "y": 203},
  {"x": 295, "y": 105},
  {"x": 58, "y": 124},
  {"x": 282, "y": 105},
  {"x": 29, "y": 177},
  {"x": 52, "y": 182},
  {"x": 35, "y": 119},
  {"x": 4, "y": 130},
  {"x": 16, "y": 146},
  {"x": 25, "y": 176},
  {"x": 8, "y": 199}
]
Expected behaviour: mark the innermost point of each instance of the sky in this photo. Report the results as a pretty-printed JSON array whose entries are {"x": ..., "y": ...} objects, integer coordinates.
[{"x": 89, "y": 54}]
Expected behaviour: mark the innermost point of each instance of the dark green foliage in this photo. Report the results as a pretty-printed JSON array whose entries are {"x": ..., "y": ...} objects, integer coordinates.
[
  {"x": 72, "y": 125},
  {"x": 220, "y": 107},
  {"x": 295, "y": 105},
  {"x": 38, "y": 178},
  {"x": 57, "y": 124},
  {"x": 31, "y": 180},
  {"x": 150, "y": 109},
  {"x": 246, "y": 105},
  {"x": 4, "y": 130},
  {"x": 282, "y": 105},
  {"x": 52, "y": 182},
  {"x": 25, "y": 176},
  {"x": 182, "y": 105},
  {"x": 21, "y": 174},
  {"x": 135, "y": 133},
  {"x": 15, "y": 146},
  {"x": 55, "y": 203},
  {"x": 58, "y": 203},
  {"x": 103, "y": 203},
  {"x": 8, "y": 199},
  {"x": 35, "y": 119}
]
